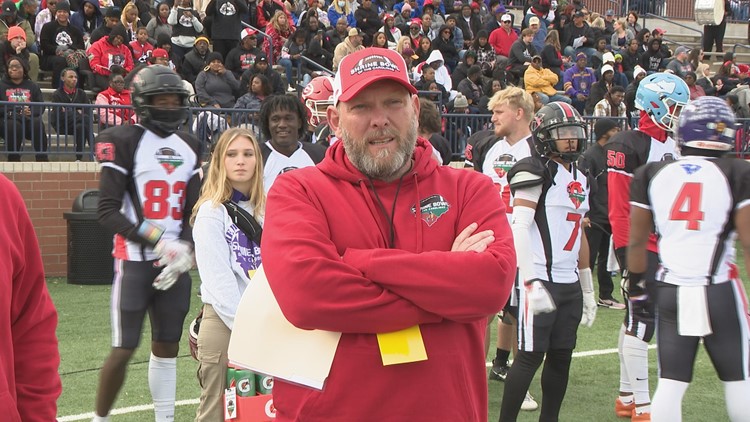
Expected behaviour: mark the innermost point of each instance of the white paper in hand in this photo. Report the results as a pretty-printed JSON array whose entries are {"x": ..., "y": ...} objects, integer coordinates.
[{"x": 264, "y": 341}]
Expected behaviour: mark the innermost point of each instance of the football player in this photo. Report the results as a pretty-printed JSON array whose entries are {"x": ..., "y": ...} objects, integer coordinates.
[
  {"x": 512, "y": 110},
  {"x": 550, "y": 198},
  {"x": 697, "y": 204},
  {"x": 660, "y": 98},
  {"x": 149, "y": 183},
  {"x": 317, "y": 96}
]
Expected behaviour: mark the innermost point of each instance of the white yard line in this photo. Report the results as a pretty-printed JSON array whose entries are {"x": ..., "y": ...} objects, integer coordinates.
[{"x": 144, "y": 407}]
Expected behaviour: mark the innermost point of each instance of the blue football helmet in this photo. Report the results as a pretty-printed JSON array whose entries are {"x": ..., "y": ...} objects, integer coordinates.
[
  {"x": 707, "y": 123},
  {"x": 662, "y": 96}
]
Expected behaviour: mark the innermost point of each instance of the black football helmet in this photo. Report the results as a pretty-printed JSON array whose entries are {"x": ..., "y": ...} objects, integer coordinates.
[
  {"x": 554, "y": 121},
  {"x": 153, "y": 80}
]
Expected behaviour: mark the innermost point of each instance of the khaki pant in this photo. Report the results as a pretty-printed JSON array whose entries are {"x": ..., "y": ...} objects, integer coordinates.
[{"x": 213, "y": 342}]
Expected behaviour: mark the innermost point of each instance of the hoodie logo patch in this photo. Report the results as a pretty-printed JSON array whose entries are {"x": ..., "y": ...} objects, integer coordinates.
[
  {"x": 169, "y": 159},
  {"x": 431, "y": 209},
  {"x": 576, "y": 193}
]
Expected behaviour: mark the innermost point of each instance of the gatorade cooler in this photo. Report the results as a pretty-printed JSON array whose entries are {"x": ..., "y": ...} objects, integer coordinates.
[{"x": 248, "y": 397}]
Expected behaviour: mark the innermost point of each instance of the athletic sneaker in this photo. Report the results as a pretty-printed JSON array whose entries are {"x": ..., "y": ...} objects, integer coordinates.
[
  {"x": 640, "y": 417},
  {"x": 529, "y": 403},
  {"x": 611, "y": 303},
  {"x": 498, "y": 372},
  {"x": 623, "y": 410}
]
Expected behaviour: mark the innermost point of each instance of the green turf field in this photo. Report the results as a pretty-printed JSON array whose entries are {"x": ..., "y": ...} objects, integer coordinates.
[{"x": 84, "y": 337}]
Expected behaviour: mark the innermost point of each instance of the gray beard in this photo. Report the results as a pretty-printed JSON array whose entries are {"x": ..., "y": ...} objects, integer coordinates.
[{"x": 386, "y": 164}]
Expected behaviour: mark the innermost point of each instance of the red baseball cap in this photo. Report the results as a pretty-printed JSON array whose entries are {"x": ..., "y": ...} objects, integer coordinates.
[
  {"x": 365, "y": 67},
  {"x": 160, "y": 52}
]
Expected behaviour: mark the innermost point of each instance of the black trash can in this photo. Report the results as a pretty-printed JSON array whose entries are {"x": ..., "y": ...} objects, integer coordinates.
[{"x": 89, "y": 244}]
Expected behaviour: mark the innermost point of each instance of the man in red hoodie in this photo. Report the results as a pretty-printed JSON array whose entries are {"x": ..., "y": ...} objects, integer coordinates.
[
  {"x": 108, "y": 54},
  {"x": 29, "y": 381},
  {"x": 660, "y": 97},
  {"x": 379, "y": 239}
]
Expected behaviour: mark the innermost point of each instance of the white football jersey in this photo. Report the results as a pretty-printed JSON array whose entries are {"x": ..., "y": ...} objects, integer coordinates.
[
  {"x": 498, "y": 161},
  {"x": 693, "y": 201},
  {"x": 279, "y": 163}
]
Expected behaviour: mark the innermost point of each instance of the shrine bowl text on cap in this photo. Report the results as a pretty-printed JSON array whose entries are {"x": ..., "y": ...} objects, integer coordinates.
[{"x": 365, "y": 67}]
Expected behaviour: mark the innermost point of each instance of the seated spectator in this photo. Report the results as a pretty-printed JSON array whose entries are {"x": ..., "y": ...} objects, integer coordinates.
[
  {"x": 444, "y": 44},
  {"x": 130, "y": 21},
  {"x": 87, "y": 18},
  {"x": 579, "y": 38},
  {"x": 409, "y": 56},
  {"x": 10, "y": 18},
  {"x": 520, "y": 54},
  {"x": 46, "y": 15},
  {"x": 427, "y": 29},
  {"x": 503, "y": 38},
  {"x": 108, "y": 53},
  {"x": 462, "y": 70},
  {"x": 261, "y": 67},
  {"x": 186, "y": 29},
  {"x": 259, "y": 89},
  {"x": 279, "y": 29},
  {"x": 267, "y": 9},
  {"x": 622, "y": 36},
  {"x": 632, "y": 21},
  {"x": 704, "y": 79},
  {"x": 724, "y": 80},
  {"x": 430, "y": 128},
  {"x": 658, "y": 34},
  {"x": 424, "y": 50},
  {"x": 458, "y": 35},
  {"x": 415, "y": 33},
  {"x": 653, "y": 59},
  {"x": 226, "y": 24},
  {"x": 242, "y": 57},
  {"x": 340, "y": 9},
  {"x": 680, "y": 65},
  {"x": 338, "y": 33},
  {"x": 485, "y": 53},
  {"x": 442, "y": 76},
  {"x": 600, "y": 88},
  {"x": 194, "y": 61},
  {"x": 552, "y": 57},
  {"x": 320, "y": 50},
  {"x": 611, "y": 59},
  {"x": 16, "y": 46},
  {"x": 470, "y": 25},
  {"x": 696, "y": 91},
  {"x": 600, "y": 49},
  {"x": 492, "y": 87},
  {"x": 141, "y": 48},
  {"x": 159, "y": 24},
  {"x": 577, "y": 82},
  {"x": 215, "y": 86},
  {"x": 111, "y": 18},
  {"x": 379, "y": 40},
  {"x": 352, "y": 43},
  {"x": 391, "y": 31},
  {"x": 542, "y": 81},
  {"x": 22, "y": 121},
  {"x": 115, "y": 95},
  {"x": 631, "y": 57},
  {"x": 471, "y": 88},
  {"x": 630, "y": 91},
  {"x": 292, "y": 51},
  {"x": 613, "y": 105},
  {"x": 57, "y": 37},
  {"x": 368, "y": 20},
  {"x": 72, "y": 120},
  {"x": 427, "y": 78},
  {"x": 733, "y": 102}
]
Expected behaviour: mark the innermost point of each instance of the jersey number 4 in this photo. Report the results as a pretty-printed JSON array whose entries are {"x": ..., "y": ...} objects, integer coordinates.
[
  {"x": 156, "y": 205},
  {"x": 687, "y": 206}
]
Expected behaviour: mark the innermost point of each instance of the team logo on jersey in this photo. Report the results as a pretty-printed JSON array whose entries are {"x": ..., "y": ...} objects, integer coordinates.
[
  {"x": 288, "y": 169},
  {"x": 690, "y": 168},
  {"x": 104, "y": 151},
  {"x": 576, "y": 193},
  {"x": 467, "y": 152},
  {"x": 169, "y": 159},
  {"x": 432, "y": 208},
  {"x": 502, "y": 164}
]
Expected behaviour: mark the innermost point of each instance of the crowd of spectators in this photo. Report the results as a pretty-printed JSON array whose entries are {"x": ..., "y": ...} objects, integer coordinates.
[{"x": 461, "y": 52}]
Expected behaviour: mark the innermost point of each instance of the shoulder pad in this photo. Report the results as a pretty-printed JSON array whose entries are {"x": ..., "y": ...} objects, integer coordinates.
[
  {"x": 316, "y": 151},
  {"x": 528, "y": 172},
  {"x": 116, "y": 140}
]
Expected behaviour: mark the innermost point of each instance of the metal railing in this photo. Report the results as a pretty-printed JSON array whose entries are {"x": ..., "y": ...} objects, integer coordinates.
[
  {"x": 662, "y": 18},
  {"x": 67, "y": 131}
]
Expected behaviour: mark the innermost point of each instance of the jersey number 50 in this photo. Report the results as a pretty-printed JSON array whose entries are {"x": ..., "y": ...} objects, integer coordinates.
[{"x": 156, "y": 205}]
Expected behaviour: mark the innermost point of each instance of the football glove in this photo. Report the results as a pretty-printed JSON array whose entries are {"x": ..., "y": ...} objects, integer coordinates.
[
  {"x": 177, "y": 254},
  {"x": 589, "y": 302},
  {"x": 167, "y": 278},
  {"x": 538, "y": 298}
]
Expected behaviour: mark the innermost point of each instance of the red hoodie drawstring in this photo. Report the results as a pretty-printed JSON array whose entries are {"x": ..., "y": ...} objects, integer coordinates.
[
  {"x": 418, "y": 215},
  {"x": 373, "y": 208}
]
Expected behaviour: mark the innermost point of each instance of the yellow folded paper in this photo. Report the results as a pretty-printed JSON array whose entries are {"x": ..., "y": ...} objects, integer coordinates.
[{"x": 402, "y": 346}]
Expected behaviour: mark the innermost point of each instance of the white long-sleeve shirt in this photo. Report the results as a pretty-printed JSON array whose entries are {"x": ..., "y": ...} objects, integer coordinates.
[{"x": 226, "y": 258}]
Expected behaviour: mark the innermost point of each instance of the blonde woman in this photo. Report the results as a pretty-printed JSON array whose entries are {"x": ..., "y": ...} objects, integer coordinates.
[
  {"x": 279, "y": 28},
  {"x": 130, "y": 21},
  {"x": 340, "y": 9},
  {"x": 226, "y": 256},
  {"x": 403, "y": 42},
  {"x": 621, "y": 37}
]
